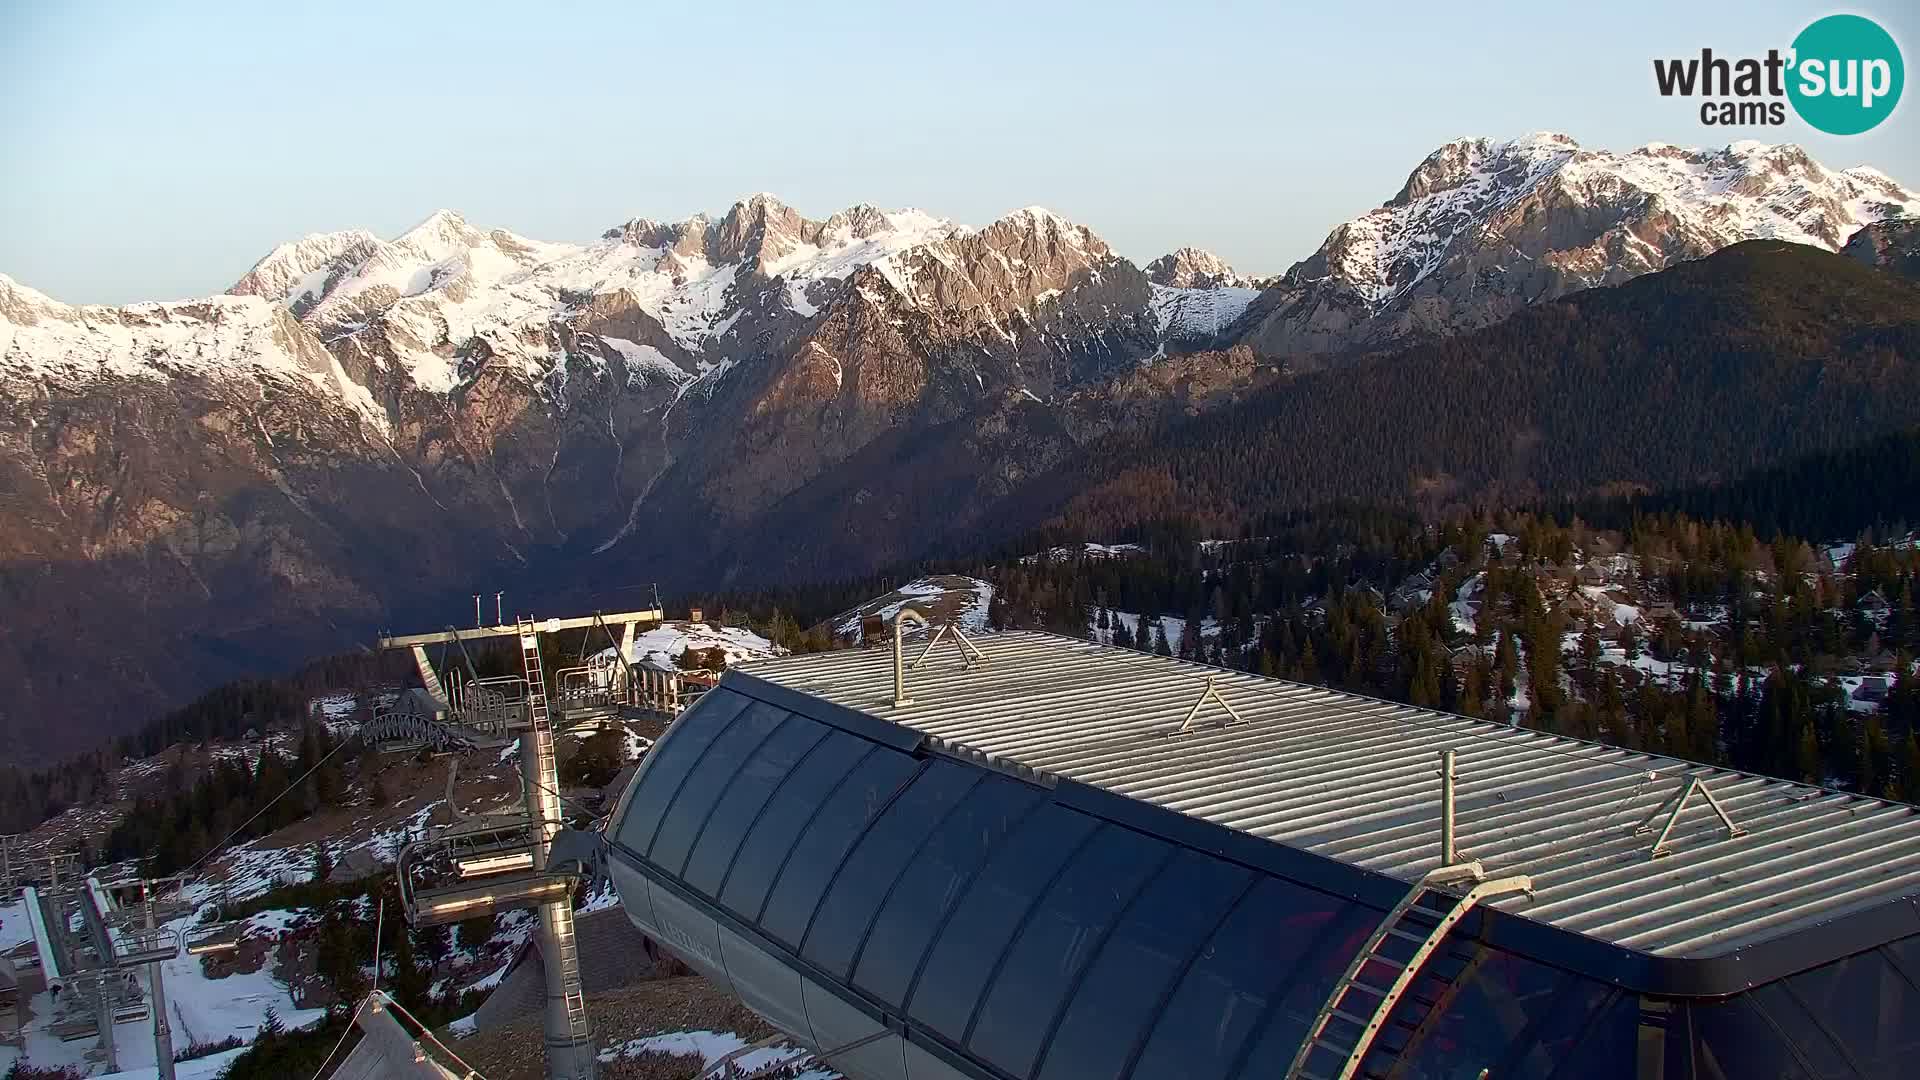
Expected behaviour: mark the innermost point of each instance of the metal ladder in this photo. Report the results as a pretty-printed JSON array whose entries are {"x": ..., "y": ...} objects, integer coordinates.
[
  {"x": 539, "y": 717},
  {"x": 572, "y": 993},
  {"x": 1408, "y": 922},
  {"x": 536, "y": 675},
  {"x": 540, "y": 729}
]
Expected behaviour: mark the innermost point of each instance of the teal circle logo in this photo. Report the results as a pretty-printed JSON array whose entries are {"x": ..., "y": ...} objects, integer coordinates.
[{"x": 1846, "y": 75}]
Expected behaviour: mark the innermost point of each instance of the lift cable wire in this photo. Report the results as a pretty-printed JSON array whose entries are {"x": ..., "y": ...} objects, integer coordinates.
[
  {"x": 592, "y": 816},
  {"x": 427, "y": 1034},
  {"x": 344, "y": 1032},
  {"x": 210, "y": 852}
]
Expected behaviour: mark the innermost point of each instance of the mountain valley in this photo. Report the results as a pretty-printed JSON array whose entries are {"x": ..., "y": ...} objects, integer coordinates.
[{"x": 362, "y": 432}]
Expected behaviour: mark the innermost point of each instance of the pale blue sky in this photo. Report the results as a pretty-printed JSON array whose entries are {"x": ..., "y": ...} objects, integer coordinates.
[{"x": 156, "y": 150}]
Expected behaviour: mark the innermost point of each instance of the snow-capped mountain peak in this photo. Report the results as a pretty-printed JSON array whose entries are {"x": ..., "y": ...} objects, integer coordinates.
[
  {"x": 1049, "y": 227},
  {"x": 1481, "y": 228},
  {"x": 1479, "y": 161},
  {"x": 299, "y": 273},
  {"x": 1194, "y": 268},
  {"x": 240, "y": 343}
]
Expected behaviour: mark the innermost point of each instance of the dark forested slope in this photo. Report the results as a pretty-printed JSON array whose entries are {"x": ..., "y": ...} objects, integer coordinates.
[{"x": 1760, "y": 353}]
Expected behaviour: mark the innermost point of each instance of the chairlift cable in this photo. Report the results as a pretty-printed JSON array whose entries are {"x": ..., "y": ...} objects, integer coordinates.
[
  {"x": 348, "y": 1030},
  {"x": 427, "y": 1033},
  {"x": 210, "y": 852}
]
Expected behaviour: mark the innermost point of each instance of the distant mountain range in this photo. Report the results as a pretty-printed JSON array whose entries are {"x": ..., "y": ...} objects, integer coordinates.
[
  {"x": 1481, "y": 229},
  {"x": 364, "y": 431}
]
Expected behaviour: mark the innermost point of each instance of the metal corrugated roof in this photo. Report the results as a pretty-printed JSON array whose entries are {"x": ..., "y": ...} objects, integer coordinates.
[{"x": 1356, "y": 779}]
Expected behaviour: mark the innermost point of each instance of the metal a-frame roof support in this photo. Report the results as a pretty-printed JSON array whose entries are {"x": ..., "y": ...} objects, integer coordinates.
[
  {"x": 1678, "y": 802},
  {"x": 1211, "y": 693},
  {"x": 969, "y": 655}
]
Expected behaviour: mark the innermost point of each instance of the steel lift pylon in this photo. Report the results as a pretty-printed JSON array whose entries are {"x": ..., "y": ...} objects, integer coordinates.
[{"x": 482, "y": 865}]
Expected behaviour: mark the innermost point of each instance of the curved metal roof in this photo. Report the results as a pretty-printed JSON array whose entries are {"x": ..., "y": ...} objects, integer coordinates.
[{"x": 1355, "y": 779}]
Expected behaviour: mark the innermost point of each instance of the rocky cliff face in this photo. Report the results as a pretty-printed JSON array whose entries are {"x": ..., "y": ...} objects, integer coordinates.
[
  {"x": 1481, "y": 229},
  {"x": 1192, "y": 268},
  {"x": 1889, "y": 245},
  {"x": 364, "y": 431}
]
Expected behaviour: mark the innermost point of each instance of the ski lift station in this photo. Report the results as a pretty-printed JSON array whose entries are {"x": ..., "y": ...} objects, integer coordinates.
[{"x": 1030, "y": 856}]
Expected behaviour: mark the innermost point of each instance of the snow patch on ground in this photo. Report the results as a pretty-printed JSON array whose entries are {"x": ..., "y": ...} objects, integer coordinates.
[
  {"x": 1088, "y": 550},
  {"x": 1171, "y": 625},
  {"x": 201, "y": 1009},
  {"x": 662, "y": 646},
  {"x": 711, "y": 1046},
  {"x": 942, "y": 598},
  {"x": 206, "y": 1068},
  {"x": 490, "y": 981}
]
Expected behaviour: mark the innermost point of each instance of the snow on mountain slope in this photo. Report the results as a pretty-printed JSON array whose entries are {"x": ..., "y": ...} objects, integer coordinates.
[
  {"x": 299, "y": 273},
  {"x": 662, "y": 646},
  {"x": 1747, "y": 191},
  {"x": 1482, "y": 228},
  {"x": 1199, "y": 314},
  {"x": 1196, "y": 297},
  {"x": 1025, "y": 261},
  {"x": 445, "y": 286},
  {"x": 46, "y": 342}
]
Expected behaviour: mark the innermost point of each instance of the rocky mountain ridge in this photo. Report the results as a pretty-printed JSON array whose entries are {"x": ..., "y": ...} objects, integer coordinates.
[
  {"x": 1483, "y": 228},
  {"x": 364, "y": 428},
  {"x": 1888, "y": 245}
]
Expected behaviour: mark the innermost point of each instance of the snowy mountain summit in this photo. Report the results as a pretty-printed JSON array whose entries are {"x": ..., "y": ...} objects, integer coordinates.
[
  {"x": 1194, "y": 268},
  {"x": 1482, "y": 228}
]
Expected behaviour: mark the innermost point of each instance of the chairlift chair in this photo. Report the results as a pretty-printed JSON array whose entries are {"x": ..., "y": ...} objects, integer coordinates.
[
  {"x": 490, "y": 844},
  {"x": 475, "y": 869},
  {"x": 140, "y": 946},
  {"x": 214, "y": 938}
]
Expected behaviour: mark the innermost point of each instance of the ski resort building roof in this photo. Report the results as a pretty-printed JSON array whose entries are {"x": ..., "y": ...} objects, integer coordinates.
[
  {"x": 1070, "y": 860},
  {"x": 1354, "y": 779}
]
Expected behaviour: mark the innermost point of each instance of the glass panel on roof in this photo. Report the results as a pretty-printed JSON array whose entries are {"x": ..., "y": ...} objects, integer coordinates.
[
  {"x": 1608, "y": 1046},
  {"x": 707, "y": 781},
  {"x": 670, "y": 761},
  {"x": 1734, "y": 1042},
  {"x": 1057, "y": 942},
  {"x": 1162, "y": 930},
  {"x": 986, "y": 917},
  {"x": 863, "y": 883},
  {"x": 1469, "y": 1023},
  {"x": 745, "y": 796},
  {"x": 886, "y": 961},
  {"x": 1906, "y": 955},
  {"x": 1869, "y": 1006},
  {"x": 1226, "y": 991},
  {"x": 1308, "y": 985},
  {"x": 824, "y": 843},
  {"x": 1539, "y": 1051},
  {"x": 771, "y": 838},
  {"x": 1816, "y": 1048}
]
